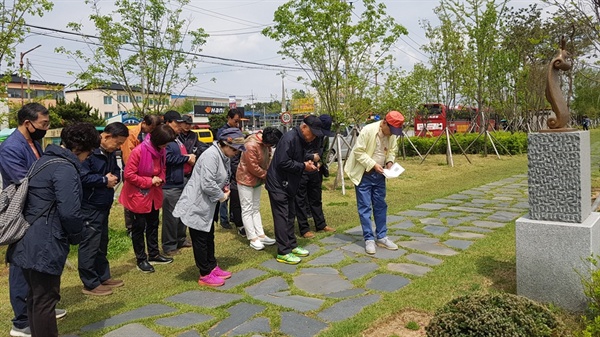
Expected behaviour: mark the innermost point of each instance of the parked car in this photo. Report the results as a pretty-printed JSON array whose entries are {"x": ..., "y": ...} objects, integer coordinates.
[{"x": 204, "y": 135}]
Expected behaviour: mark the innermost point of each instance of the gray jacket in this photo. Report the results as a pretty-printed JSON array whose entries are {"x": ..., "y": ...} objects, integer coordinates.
[{"x": 199, "y": 198}]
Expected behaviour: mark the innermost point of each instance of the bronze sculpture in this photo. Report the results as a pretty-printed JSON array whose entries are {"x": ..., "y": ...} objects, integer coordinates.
[{"x": 554, "y": 93}]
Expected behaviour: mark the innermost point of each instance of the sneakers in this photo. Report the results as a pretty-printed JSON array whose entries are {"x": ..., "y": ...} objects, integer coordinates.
[
  {"x": 299, "y": 251},
  {"x": 225, "y": 225},
  {"x": 387, "y": 243},
  {"x": 186, "y": 244},
  {"x": 370, "y": 247},
  {"x": 112, "y": 283},
  {"x": 172, "y": 252},
  {"x": 220, "y": 273},
  {"x": 159, "y": 259},
  {"x": 211, "y": 280},
  {"x": 60, "y": 313},
  {"x": 16, "y": 332},
  {"x": 328, "y": 229},
  {"x": 267, "y": 241},
  {"x": 145, "y": 267},
  {"x": 100, "y": 290},
  {"x": 257, "y": 245},
  {"x": 288, "y": 258},
  {"x": 242, "y": 231},
  {"x": 308, "y": 235}
]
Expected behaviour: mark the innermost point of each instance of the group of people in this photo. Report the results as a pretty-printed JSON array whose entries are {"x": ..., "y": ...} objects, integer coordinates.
[{"x": 74, "y": 193}]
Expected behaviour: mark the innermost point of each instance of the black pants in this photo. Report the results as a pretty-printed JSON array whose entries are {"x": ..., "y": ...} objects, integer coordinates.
[
  {"x": 148, "y": 223},
  {"x": 128, "y": 216},
  {"x": 235, "y": 208},
  {"x": 284, "y": 214},
  {"x": 173, "y": 230},
  {"x": 92, "y": 262},
  {"x": 44, "y": 293},
  {"x": 310, "y": 190},
  {"x": 203, "y": 244},
  {"x": 18, "y": 288}
]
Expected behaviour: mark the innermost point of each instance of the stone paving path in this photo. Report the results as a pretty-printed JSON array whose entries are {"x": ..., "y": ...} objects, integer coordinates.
[{"x": 425, "y": 235}]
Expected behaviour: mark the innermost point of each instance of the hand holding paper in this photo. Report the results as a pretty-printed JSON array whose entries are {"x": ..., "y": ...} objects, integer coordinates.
[{"x": 393, "y": 171}]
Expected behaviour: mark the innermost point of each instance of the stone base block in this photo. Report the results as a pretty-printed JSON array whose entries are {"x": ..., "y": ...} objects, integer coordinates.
[{"x": 551, "y": 256}]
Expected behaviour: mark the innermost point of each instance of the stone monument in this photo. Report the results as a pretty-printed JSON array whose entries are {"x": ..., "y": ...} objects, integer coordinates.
[{"x": 560, "y": 232}]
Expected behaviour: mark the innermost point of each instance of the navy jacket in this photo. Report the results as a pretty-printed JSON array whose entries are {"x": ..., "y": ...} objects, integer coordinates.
[
  {"x": 16, "y": 157},
  {"x": 192, "y": 144},
  {"x": 45, "y": 246},
  {"x": 286, "y": 168},
  {"x": 175, "y": 161},
  {"x": 93, "y": 179}
]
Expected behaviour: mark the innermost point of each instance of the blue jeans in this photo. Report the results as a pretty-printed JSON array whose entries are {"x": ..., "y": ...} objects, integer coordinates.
[
  {"x": 224, "y": 213},
  {"x": 370, "y": 195},
  {"x": 18, "y": 288}
]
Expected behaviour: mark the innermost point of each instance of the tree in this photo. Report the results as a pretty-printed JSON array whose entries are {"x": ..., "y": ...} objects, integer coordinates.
[
  {"x": 63, "y": 114},
  {"x": 586, "y": 100},
  {"x": 339, "y": 56},
  {"x": 144, "y": 46}
]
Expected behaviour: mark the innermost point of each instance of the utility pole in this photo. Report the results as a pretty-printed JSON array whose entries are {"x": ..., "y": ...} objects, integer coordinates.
[
  {"x": 28, "y": 86},
  {"x": 21, "y": 68}
]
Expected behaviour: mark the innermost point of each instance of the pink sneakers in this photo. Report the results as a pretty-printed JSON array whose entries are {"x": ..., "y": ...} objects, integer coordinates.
[
  {"x": 210, "y": 280},
  {"x": 220, "y": 273}
]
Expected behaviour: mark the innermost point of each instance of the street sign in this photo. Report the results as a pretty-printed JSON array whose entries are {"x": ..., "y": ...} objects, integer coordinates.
[{"x": 286, "y": 117}]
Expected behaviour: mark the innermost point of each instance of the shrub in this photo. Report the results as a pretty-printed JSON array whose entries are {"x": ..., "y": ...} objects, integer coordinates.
[
  {"x": 412, "y": 325},
  {"x": 494, "y": 315},
  {"x": 591, "y": 288}
]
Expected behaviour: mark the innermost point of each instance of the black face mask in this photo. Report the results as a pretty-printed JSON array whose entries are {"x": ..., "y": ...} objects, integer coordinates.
[{"x": 37, "y": 134}]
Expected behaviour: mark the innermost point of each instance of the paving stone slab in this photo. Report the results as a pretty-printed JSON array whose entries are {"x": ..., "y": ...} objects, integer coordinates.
[
  {"x": 459, "y": 197},
  {"x": 504, "y": 216},
  {"x": 333, "y": 257},
  {"x": 268, "y": 286},
  {"x": 425, "y": 239},
  {"x": 460, "y": 244},
  {"x": 347, "y": 308},
  {"x": 319, "y": 271},
  {"x": 381, "y": 253},
  {"x": 449, "y": 214},
  {"x": 184, "y": 320},
  {"x": 466, "y": 235},
  {"x": 472, "y": 229},
  {"x": 433, "y": 207},
  {"x": 470, "y": 218},
  {"x": 297, "y": 325},
  {"x": 488, "y": 224},
  {"x": 358, "y": 270},
  {"x": 339, "y": 239},
  {"x": 415, "y": 213},
  {"x": 321, "y": 284},
  {"x": 435, "y": 230},
  {"x": 295, "y": 302},
  {"x": 502, "y": 206},
  {"x": 191, "y": 333},
  {"x": 472, "y": 192},
  {"x": 242, "y": 277},
  {"x": 238, "y": 315},
  {"x": 130, "y": 330},
  {"x": 272, "y": 264},
  {"x": 260, "y": 324},
  {"x": 312, "y": 248},
  {"x": 504, "y": 198},
  {"x": 521, "y": 205},
  {"x": 143, "y": 312},
  {"x": 454, "y": 222},
  {"x": 394, "y": 218},
  {"x": 387, "y": 282},
  {"x": 408, "y": 268},
  {"x": 409, "y": 233},
  {"x": 483, "y": 201},
  {"x": 474, "y": 205},
  {"x": 346, "y": 293},
  {"x": 430, "y": 248},
  {"x": 355, "y": 231},
  {"x": 447, "y": 201},
  {"x": 470, "y": 209},
  {"x": 420, "y": 258},
  {"x": 431, "y": 221},
  {"x": 403, "y": 225},
  {"x": 205, "y": 299}
]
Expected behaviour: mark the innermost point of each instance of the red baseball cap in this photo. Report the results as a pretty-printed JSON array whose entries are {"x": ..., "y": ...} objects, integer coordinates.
[{"x": 395, "y": 120}]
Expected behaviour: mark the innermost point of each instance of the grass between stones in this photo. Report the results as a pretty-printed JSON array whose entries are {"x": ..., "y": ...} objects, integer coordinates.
[{"x": 488, "y": 264}]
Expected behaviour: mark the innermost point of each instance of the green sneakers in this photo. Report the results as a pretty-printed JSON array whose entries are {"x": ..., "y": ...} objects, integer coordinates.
[
  {"x": 288, "y": 258},
  {"x": 299, "y": 251}
]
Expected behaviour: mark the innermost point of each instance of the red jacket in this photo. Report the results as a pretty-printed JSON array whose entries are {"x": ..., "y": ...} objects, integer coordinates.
[{"x": 138, "y": 194}]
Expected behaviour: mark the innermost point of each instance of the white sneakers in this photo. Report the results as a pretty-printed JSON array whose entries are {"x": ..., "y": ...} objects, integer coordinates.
[
  {"x": 267, "y": 241},
  {"x": 383, "y": 242},
  {"x": 257, "y": 245},
  {"x": 370, "y": 247}
]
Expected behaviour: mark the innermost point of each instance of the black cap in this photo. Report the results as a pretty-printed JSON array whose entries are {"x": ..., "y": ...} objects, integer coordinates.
[
  {"x": 187, "y": 119},
  {"x": 315, "y": 125},
  {"x": 326, "y": 120},
  {"x": 172, "y": 116}
]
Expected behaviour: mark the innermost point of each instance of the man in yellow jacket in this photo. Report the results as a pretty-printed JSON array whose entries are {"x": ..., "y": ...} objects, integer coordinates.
[{"x": 374, "y": 150}]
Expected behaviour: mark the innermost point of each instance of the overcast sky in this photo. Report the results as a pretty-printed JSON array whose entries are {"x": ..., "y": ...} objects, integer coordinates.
[{"x": 234, "y": 26}]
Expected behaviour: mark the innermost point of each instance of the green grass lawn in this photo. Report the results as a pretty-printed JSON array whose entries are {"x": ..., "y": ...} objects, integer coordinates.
[{"x": 489, "y": 264}]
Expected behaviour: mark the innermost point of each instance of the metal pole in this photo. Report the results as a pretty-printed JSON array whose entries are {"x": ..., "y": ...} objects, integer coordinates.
[{"x": 21, "y": 70}]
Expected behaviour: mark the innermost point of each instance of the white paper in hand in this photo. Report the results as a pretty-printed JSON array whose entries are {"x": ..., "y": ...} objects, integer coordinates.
[{"x": 393, "y": 171}]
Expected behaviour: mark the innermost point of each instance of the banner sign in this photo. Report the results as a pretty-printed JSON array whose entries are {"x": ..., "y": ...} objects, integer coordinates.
[
  {"x": 232, "y": 102},
  {"x": 209, "y": 110}
]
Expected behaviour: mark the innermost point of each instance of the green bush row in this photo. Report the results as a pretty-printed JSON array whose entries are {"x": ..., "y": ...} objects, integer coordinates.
[{"x": 515, "y": 143}]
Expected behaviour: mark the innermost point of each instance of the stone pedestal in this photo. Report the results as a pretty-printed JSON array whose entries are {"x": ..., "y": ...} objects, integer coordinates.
[{"x": 560, "y": 232}]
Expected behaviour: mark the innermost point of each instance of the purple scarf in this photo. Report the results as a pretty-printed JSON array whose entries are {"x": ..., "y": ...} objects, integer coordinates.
[{"x": 148, "y": 153}]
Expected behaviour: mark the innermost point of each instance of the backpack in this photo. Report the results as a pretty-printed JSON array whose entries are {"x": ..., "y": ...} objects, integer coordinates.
[{"x": 13, "y": 224}]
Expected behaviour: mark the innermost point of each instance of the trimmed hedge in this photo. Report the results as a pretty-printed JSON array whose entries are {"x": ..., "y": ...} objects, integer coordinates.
[
  {"x": 491, "y": 315},
  {"x": 515, "y": 143}
]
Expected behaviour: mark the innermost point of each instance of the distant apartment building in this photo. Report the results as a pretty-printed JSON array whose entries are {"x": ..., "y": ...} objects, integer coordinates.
[
  {"x": 110, "y": 100},
  {"x": 30, "y": 90}
]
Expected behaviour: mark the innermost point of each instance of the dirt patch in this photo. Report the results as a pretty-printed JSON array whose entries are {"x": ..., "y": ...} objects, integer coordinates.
[{"x": 396, "y": 325}]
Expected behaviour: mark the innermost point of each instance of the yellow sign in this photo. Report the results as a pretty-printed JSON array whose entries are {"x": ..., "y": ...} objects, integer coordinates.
[{"x": 302, "y": 105}]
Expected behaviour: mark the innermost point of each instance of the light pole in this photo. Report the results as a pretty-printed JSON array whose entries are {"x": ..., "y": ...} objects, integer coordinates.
[{"x": 21, "y": 66}]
